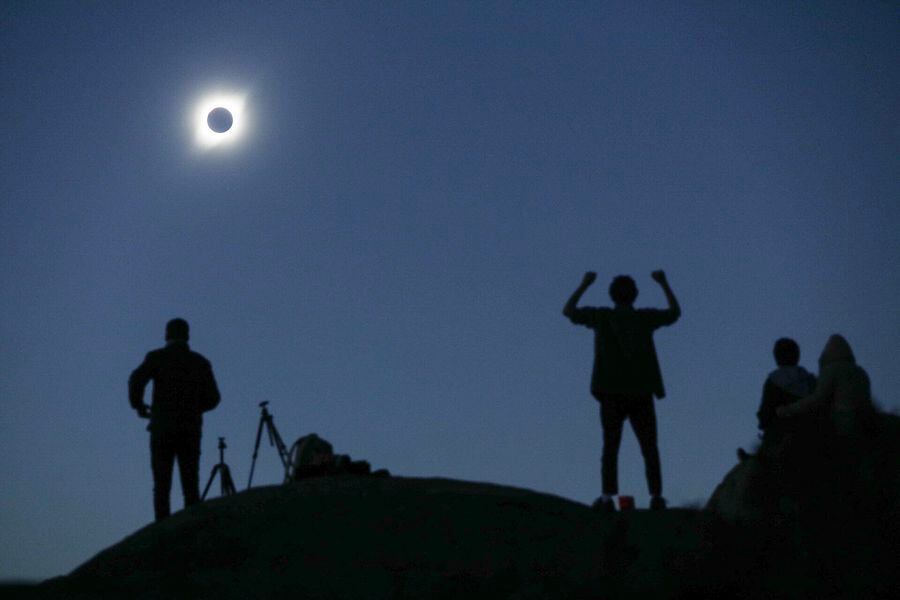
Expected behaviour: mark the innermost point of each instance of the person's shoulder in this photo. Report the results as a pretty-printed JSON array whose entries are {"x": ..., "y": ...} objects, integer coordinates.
[
  {"x": 775, "y": 374},
  {"x": 807, "y": 375},
  {"x": 846, "y": 368},
  {"x": 200, "y": 358},
  {"x": 770, "y": 385},
  {"x": 598, "y": 312},
  {"x": 156, "y": 353},
  {"x": 588, "y": 316}
]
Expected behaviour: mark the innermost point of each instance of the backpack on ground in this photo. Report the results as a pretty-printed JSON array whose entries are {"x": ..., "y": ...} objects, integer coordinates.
[{"x": 312, "y": 456}]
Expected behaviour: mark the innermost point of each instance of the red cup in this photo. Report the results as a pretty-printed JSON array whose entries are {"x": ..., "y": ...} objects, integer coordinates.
[{"x": 626, "y": 502}]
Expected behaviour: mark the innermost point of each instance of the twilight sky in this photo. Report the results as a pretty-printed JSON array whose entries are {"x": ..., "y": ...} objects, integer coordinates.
[{"x": 385, "y": 253}]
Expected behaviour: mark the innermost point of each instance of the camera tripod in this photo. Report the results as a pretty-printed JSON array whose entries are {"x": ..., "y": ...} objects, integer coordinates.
[
  {"x": 224, "y": 474},
  {"x": 265, "y": 420}
]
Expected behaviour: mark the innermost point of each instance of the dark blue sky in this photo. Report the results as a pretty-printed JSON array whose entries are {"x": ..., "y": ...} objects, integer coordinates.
[{"x": 385, "y": 252}]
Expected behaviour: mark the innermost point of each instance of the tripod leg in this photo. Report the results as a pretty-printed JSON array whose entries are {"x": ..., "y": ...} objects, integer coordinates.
[
  {"x": 227, "y": 482},
  {"x": 282, "y": 450},
  {"x": 209, "y": 483},
  {"x": 259, "y": 430}
]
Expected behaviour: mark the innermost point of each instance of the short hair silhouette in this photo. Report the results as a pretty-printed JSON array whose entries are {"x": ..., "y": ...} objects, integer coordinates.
[
  {"x": 184, "y": 388},
  {"x": 626, "y": 375},
  {"x": 623, "y": 290},
  {"x": 787, "y": 352},
  {"x": 177, "y": 329}
]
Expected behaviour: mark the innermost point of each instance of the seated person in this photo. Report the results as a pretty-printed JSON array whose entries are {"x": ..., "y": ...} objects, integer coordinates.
[{"x": 785, "y": 385}]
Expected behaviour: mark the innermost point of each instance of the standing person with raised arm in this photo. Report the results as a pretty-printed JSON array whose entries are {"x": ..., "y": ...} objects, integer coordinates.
[{"x": 626, "y": 375}]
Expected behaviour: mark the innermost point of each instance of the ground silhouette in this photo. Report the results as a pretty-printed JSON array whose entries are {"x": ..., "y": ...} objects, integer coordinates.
[
  {"x": 816, "y": 517},
  {"x": 817, "y": 512},
  {"x": 366, "y": 537}
]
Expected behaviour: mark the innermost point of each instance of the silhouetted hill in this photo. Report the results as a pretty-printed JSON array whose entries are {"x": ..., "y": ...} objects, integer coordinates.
[
  {"x": 359, "y": 537},
  {"x": 818, "y": 514},
  {"x": 816, "y": 517}
]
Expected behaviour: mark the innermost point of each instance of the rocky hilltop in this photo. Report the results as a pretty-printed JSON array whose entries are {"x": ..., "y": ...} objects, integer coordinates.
[
  {"x": 817, "y": 514},
  {"x": 364, "y": 537},
  {"x": 814, "y": 517}
]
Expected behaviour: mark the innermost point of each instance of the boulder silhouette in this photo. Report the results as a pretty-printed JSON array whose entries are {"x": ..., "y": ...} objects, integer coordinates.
[
  {"x": 812, "y": 516},
  {"x": 370, "y": 537},
  {"x": 817, "y": 513}
]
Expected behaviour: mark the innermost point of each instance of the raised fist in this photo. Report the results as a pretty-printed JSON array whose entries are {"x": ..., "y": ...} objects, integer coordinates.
[
  {"x": 658, "y": 276},
  {"x": 589, "y": 278}
]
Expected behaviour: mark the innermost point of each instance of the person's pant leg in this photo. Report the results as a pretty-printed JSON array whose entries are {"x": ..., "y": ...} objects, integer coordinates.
[
  {"x": 612, "y": 418},
  {"x": 162, "y": 459},
  {"x": 642, "y": 415},
  {"x": 189, "y": 466}
]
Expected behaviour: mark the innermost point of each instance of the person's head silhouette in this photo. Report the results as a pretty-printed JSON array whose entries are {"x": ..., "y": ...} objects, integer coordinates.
[
  {"x": 177, "y": 330},
  {"x": 623, "y": 290},
  {"x": 787, "y": 352}
]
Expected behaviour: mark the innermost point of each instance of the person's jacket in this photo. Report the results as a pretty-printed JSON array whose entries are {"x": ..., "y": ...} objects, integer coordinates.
[
  {"x": 183, "y": 387},
  {"x": 785, "y": 385},
  {"x": 625, "y": 360},
  {"x": 843, "y": 389}
]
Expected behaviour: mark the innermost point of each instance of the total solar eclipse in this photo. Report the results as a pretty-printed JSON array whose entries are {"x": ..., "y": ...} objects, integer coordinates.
[{"x": 219, "y": 119}]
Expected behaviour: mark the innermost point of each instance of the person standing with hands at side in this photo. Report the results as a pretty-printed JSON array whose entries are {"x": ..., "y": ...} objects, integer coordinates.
[
  {"x": 183, "y": 389},
  {"x": 626, "y": 375}
]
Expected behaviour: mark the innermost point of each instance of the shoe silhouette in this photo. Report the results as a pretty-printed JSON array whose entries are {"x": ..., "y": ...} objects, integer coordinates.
[{"x": 602, "y": 505}]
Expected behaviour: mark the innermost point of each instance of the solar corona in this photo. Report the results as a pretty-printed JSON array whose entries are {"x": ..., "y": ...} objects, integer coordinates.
[{"x": 219, "y": 120}]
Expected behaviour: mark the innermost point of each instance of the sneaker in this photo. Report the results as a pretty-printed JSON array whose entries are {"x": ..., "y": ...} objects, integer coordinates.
[
  {"x": 657, "y": 503},
  {"x": 601, "y": 505}
]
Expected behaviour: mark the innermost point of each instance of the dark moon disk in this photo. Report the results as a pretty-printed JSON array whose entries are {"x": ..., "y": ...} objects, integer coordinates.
[{"x": 219, "y": 120}]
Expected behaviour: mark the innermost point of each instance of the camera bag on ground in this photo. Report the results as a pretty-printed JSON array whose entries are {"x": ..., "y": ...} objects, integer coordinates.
[{"x": 312, "y": 456}]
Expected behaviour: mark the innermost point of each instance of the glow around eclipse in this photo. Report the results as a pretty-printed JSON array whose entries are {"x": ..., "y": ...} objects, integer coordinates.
[{"x": 206, "y": 137}]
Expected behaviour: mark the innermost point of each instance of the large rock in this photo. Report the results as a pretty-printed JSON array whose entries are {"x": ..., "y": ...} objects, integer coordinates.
[
  {"x": 364, "y": 537},
  {"x": 816, "y": 514},
  {"x": 815, "y": 517},
  {"x": 730, "y": 498},
  {"x": 813, "y": 469}
]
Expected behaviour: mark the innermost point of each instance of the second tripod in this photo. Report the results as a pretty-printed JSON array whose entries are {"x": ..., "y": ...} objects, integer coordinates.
[
  {"x": 266, "y": 422},
  {"x": 224, "y": 474}
]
